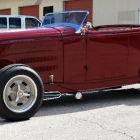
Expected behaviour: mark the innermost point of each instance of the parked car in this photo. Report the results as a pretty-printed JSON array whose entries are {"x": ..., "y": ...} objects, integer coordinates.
[
  {"x": 64, "y": 55},
  {"x": 10, "y": 22}
]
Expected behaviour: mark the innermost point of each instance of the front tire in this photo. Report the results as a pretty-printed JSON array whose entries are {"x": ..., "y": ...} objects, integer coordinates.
[{"x": 21, "y": 92}]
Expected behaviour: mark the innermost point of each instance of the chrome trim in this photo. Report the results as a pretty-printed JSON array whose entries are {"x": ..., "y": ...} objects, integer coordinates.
[{"x": 52, "y": 95}]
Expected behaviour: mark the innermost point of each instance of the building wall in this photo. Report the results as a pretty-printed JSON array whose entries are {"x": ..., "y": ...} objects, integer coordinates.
[
  {"x": 116, "y": 12},
  {"x": 58, "y": 5},
  {"x": 14, "y": 4},
  {"x": 104, "y": 11}
]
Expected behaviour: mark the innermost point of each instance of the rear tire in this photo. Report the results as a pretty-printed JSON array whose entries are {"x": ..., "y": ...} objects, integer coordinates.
[{"x": 21, "y": 92}]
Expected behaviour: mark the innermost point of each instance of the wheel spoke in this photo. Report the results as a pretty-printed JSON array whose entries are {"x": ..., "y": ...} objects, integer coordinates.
[
  {"x": 26, "y": 95},
  {"x": 19, "y": 88},
  {"x": 18, "y": 82},
  {"x": 17, "y": 99}
]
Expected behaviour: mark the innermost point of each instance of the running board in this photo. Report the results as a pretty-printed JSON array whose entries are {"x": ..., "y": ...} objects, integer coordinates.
[{"x": 52, "y": 95}]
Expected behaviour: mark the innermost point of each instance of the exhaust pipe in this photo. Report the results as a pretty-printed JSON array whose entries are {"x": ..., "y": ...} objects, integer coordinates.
[
  {"x": 56, "y": 94},
  {"x": 78, "y": 95},
  {"x": 52, "y": 95}
]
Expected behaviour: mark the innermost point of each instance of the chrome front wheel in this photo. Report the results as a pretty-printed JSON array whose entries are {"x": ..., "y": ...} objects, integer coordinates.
[{"x": 20, "y": 93}]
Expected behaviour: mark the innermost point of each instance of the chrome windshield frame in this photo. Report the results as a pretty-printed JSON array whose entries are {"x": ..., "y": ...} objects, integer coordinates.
[{"x": 78, "y": 30}]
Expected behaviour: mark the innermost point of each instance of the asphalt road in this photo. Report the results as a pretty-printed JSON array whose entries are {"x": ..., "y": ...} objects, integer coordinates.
[{"x": 103, "y": 115}]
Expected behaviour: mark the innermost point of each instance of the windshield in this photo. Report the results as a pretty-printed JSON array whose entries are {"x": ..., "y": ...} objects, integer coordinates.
[{"x": 74, "y": 19}]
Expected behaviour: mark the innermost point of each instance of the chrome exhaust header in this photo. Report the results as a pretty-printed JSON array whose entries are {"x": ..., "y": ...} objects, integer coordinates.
[{"x": 52, "y": 95}]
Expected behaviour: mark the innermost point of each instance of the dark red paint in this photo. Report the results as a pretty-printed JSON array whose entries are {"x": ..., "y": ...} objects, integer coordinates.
[{"x": 106, "y": 57}]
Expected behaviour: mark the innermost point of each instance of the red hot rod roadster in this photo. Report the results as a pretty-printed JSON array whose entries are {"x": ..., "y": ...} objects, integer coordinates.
[{"x": 65, "y": 54}]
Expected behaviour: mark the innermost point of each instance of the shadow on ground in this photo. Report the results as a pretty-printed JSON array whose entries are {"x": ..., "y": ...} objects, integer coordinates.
[{"x": 90, "y": 101}]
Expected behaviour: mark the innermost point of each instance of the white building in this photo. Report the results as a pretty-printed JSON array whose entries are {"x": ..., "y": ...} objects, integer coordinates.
[{"x": 101, "y": 11}]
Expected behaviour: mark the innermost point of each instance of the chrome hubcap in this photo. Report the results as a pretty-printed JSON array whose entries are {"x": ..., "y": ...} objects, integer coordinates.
[{"x": 20, "y": 93}]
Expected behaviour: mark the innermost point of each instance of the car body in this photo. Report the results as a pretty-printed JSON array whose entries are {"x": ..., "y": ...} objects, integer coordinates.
[
  {"x": 68, "y": 57},
  {"x": 10, "y": 22}
]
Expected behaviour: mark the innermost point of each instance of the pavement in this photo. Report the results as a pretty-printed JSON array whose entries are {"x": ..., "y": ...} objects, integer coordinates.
[{"x": 101, "y": 115}]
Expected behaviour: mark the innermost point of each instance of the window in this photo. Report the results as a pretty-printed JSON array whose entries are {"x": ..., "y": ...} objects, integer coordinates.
[
  {"x": 3, "y": 22},
  {"x": 14, "y": 23},
  {"x": 48, "y": 9},
  {"x": 32, "y": 23}
]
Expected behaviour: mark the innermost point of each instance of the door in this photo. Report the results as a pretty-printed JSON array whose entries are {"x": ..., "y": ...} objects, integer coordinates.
[
  {"x": 5, "y": 12},
  {"x": 30, "y": 10},
  {"x": 74, "y": 57},
  {"x": 80, "y": 5},
  {"x": 107, "y": 54}
]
